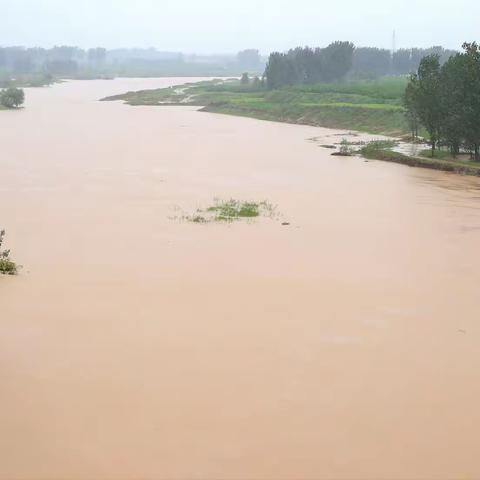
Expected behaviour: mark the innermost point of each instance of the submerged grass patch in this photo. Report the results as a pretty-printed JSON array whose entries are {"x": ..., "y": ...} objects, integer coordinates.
[
  {"x": 7, "y": 266},
  {"x": 232, "y": 210}
]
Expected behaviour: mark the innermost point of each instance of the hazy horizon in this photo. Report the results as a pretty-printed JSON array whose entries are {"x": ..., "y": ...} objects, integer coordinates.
[{"x": 215, "y": 27}]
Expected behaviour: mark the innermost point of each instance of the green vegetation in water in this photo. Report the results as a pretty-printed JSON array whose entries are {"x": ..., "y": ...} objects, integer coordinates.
[
  {"x": 345, "y": 148},
  {"x": 7, "y": 266},
  {"x": 370, "y": 106},
  {"x": 231, "y": 210}
]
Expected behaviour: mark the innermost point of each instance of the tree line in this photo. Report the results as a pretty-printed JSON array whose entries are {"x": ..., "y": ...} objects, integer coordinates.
[
  {"x": 72, "y": 61},
  {"x": 445, "y": 100},
  {"x": 304, "y": 65},
  {"x": 60, "y": 60},
  {"x": 308, "y": 66},
  {"x": 369, "y": 63}
]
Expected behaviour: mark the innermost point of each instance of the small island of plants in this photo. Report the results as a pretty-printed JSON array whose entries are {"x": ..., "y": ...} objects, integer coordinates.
[
  {"x": 231, "y": 210},
  {"x": 7, "y": 266}
]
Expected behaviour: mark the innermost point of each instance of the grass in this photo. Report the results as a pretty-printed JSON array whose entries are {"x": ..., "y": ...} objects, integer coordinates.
[
  {"x": 381, "y": 151},
  {"x": 231, "y": 210},
  {"x": 374, "y": 107},
  {"x": 7, "y": 266},
  {"x": 442, "y": 154}
]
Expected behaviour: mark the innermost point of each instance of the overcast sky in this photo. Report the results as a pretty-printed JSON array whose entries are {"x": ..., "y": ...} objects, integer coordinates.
[{"x": 223, "y": 26}]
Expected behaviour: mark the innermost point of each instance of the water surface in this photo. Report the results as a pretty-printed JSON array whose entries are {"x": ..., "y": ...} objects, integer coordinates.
[{"x": 135, "y": 346}]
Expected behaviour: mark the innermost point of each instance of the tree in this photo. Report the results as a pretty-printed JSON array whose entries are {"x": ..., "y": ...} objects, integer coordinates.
[
  {"x": 371, "y": 62},
  {"x": 245, "y": 80},
  {"x": 425, "y": 88},
  {"x": 410, "y": 103},
  {"x": 306, "y": 66},
  {"x": 446, "y": 99},
  {"x": 12, "y": 97},
  {"x": 277, "y": 70},
  {"x": 337, "y": 60},
  {"x": 97, "y": 56},
  {"x": 249, "y": 58},
  {"x": 470, "y": 84},
  {"x": 452, "y": 100}
]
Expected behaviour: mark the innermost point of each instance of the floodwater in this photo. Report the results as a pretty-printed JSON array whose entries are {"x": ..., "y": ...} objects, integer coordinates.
[{"x": 133, "y": 345}]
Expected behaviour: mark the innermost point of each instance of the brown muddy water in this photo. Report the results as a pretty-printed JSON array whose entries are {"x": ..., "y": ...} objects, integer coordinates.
[{"x": 345, "y": 345}]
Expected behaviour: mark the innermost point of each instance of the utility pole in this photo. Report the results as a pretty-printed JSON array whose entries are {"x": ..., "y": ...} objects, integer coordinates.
[{"x": 392, "y": 52}]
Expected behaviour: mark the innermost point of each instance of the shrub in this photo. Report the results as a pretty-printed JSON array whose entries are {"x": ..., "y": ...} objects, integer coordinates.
[
  {"x": 345, "y": 148},
  {"x": 12, "y": 97}
]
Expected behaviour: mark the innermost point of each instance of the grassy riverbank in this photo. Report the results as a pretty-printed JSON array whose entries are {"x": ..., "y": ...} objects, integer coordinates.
[
  {"x": 374, "y": 107},
  {"x": 369, "y": 106},
  {"x": 378, "y": 151}
]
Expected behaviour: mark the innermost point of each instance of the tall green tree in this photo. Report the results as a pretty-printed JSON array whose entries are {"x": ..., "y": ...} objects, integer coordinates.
[
  {"x": 425, "y": 88},
  {"x": 470, "y": 83},
  {"x": 410, "y": 101},
  {"x": 452, "y": 97},
  {"x": 337, "y": 60}
]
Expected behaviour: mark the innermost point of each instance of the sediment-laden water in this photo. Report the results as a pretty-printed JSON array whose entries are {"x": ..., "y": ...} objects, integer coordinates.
[{"x": 137, "y": 346}]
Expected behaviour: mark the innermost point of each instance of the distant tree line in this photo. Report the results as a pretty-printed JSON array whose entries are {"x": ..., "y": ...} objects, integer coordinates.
[
  {"x": 341, "y": 59},
  {"x": 61, "y": 60},
  {"x": 308, "y": 66},
  {"x": 445, "y": 99},
  {"x": 73, "y": 61},
  {"x": 376, "y": 62}
]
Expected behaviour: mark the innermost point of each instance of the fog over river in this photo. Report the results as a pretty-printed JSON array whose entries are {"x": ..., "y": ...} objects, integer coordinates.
[{"x": 134, "y": 345}]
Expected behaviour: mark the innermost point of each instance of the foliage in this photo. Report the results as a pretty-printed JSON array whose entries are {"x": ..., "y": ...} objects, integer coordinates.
[
  {"x": 443, "y": 154},
  {"x": 446, "y": 100},
  {"x": 245, "y": 80},
  {"x": 423, "y": 97},
  {"x": 7, "y": 266},
  {"x": 411, "y": 112},
  {"x": 345, "y": 147},
  {"x": 73, "y": 62},
  {"x": 377, "y": 150},
  {"x": 231, "y": 210},
  {"x": 307, "y": 66},
  {"x": 12, "y": 97}
]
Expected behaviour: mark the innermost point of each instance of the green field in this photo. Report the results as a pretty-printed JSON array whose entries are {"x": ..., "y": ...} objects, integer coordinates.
[{"x": 370, "y": 106}]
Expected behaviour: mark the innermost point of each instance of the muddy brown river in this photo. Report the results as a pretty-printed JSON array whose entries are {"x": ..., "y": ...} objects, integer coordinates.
[{"x": 133, "y": 345}]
